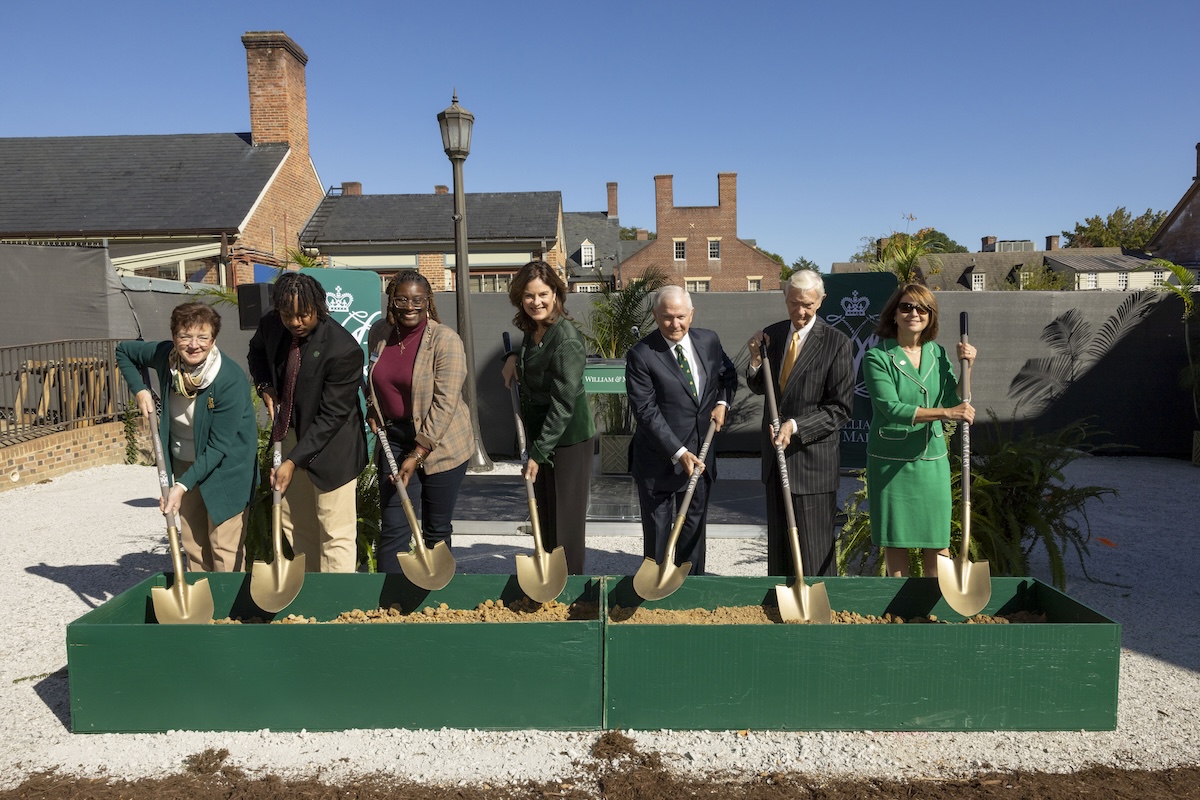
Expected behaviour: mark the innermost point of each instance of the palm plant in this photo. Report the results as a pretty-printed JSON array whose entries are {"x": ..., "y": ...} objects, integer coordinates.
[
  {"x": 902, "y": 254},
  {"x": 610, "y": 333}
]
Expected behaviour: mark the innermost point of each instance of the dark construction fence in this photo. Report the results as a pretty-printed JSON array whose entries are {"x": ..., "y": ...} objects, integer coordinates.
[{"x": 1046, "y": 359}]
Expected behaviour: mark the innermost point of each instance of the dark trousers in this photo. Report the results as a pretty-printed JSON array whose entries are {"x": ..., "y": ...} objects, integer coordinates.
[
  {"x": 561, "y": 492},
  {"x": 437, "y": 495},
  {"x": 659, "y": 510},
  {"x": 814, "y": 521}
]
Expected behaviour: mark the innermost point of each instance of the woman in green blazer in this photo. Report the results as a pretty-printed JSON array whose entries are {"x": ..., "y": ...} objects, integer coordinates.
[
  {"x": 208, "y": 431},
  {"x": 913, "y": 389},
  {"x": 554, "y": 407}
]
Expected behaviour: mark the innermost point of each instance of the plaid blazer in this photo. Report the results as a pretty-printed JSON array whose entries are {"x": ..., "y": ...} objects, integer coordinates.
[{"x": 440, "y": 414}]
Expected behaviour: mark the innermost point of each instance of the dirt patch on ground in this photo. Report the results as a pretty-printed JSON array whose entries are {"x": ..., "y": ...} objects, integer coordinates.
[
  {"x": 769, "y": 615},
  {"x": 618, "y": 771}
]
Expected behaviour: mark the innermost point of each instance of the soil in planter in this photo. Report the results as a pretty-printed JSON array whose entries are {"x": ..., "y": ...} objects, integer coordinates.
[
  {"x": 769, "y": 615},
  {"x": 521, "y": 610}
]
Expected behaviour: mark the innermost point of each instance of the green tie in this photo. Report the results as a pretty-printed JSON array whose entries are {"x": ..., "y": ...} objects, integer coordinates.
[{"x": 687, "y": 371}]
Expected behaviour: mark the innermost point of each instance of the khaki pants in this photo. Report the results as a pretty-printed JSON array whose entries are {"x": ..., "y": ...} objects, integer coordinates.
[
  {"x": 323, "y": 526},
  {"x": 208, "y": 547}
]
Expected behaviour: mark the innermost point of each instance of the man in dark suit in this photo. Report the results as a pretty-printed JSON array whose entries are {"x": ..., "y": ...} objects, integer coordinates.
[
  {"x": 678, "y": 379},
  {"x": 813, "y": 363},
  {"x": 307, "y": 368}
]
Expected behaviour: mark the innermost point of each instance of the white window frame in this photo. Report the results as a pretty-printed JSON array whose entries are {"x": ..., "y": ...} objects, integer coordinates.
[
  {"x": 1090, "y": 280},
  {"x": 1160, "y": 278},
  {"x": 587, "y": 255},
  {"x": 1123, "y": 281},
  {"x": 754, "y": 283},
  {"x": 679, "y": 249},
  {"x": 697, "y": 284},
  {"x": 714, "y": 246},
  {"x": 978, "y": 281}
]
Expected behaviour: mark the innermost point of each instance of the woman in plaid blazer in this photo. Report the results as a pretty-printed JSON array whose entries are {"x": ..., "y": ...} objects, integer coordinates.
[{"x": 416, "y": 377}]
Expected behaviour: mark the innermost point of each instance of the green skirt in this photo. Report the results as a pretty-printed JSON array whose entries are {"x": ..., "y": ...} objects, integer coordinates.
[{"x": 909, "y": 502}]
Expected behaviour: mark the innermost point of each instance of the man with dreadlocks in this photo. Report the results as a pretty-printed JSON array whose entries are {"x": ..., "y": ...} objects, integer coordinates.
[{"x": 307, "y": 368}]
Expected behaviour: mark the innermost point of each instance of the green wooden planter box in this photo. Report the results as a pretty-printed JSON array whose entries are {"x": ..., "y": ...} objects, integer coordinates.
[
  {"x": 1058, "y": 675},
  {"x": 128, "y": 673}
]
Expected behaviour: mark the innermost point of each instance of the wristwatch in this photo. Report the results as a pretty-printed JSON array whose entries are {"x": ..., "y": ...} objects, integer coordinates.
[{"x": 262, "y": 387}]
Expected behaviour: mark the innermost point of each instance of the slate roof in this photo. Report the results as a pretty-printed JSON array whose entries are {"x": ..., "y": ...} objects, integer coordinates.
[
  {"x": 599, "y": 229},
  {"x": 1098, "y": 259},
  {"x": 400, "y": 218},
  {"x": 131, "y": 185}
]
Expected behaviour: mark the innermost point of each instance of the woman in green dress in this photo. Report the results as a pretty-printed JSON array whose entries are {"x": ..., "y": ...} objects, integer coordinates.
[
  {"x": 913, "y": 390},
  {"x": 558, "y": 420}
]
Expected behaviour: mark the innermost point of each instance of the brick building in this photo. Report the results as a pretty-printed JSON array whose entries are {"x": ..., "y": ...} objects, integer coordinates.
[
  {"x": 698, "y": 246},
  {"x": 189, "y": 207},
  {"x": 1178, "y": 238}
]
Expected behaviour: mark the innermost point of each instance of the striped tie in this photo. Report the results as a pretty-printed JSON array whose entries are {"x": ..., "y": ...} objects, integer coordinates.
[
  {"x": 687, "y": 370},
  {"x": 789, "y": 359}
]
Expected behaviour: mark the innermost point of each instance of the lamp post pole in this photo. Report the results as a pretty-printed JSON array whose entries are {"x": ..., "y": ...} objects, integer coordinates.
[{"x": 456, "y": 123}]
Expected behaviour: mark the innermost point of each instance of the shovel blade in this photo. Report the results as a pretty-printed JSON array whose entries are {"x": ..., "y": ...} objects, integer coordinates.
[
  {"x": 430, "y": 568},
  {"x": 654, "y": 581},
  {"x": 274, "y": 586},
  {"x": 183, "y": 604},
  {"x": 966, "y": 585},
  {"x": 802, "y": 603},
  {"x": 542, "y": 576}
]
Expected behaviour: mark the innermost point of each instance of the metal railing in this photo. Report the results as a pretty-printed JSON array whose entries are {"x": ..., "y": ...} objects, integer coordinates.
[{"x": 58, "y": 386}]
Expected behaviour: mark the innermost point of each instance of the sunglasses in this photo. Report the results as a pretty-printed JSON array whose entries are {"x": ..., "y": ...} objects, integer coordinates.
[{"x": 908, "y": 308}]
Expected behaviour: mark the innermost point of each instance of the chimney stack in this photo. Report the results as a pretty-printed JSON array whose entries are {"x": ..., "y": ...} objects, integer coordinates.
[
  {"x": 351, "y": 188},
  {"x": 612, "y": 199},
  {"x": 441, "y": 189},
  {"x": 278, "y": 97},
  {"x": 989, "y": 244},
  {"x": 642, "y": 235},
  {"x": 1052, "y": 242},
  {"x": 727, "y": 190},
  {"x": 1197, "y": 160}
]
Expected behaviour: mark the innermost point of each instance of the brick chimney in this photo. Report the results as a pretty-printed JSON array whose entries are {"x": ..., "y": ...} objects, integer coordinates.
[
  {"x": 727, "y": 191},
  {"x": 353, "y": 188},
  {"x": 664, "y": 195},
  {"x": 278, "y": 97},
  {"x": 441, "y": 189},
  {"x": 642, "y": 235},
  {"x": 1197, "y": 161},
  {"x": 1052, "y": 242},
  {"x": 612, "y": 199},
  {"x": 989, "y": 244}
]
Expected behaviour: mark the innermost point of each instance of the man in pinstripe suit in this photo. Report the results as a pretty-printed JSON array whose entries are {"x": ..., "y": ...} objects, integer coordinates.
[{"x": 813, "y": 364}]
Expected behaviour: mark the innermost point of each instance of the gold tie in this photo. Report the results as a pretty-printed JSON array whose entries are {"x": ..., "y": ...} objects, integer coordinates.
[{"x": 789, "y": 360}]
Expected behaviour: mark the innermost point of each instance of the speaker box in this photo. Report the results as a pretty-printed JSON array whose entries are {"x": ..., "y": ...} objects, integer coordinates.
[{"x": 254, "y": 301}]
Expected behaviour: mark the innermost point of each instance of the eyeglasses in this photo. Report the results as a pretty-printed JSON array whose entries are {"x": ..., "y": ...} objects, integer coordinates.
[
  {"x": 203, "y": 340},
  {"x": 403, "y": 302},
  {"x": 908, "y": 308}
]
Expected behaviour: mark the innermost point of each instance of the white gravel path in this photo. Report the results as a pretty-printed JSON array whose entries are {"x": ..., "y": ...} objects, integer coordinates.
[{"x": 73, "y": 543}]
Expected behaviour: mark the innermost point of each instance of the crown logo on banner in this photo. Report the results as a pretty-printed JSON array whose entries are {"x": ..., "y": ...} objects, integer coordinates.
[
  {"x": 855, "y": 306},
  {"x": 338, "y": 300}
]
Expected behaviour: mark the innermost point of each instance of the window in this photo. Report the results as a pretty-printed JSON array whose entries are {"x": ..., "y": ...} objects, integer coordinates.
[
  {"x": 1122, "y": 280},
  {"x": 714, "y": 249},
  {"x": 697, "y": 284},
  {"x": 754, "y": 284},
  {"x": 1088, "y": 280},
  {"x": 681, "y": 250},
  {"x": 977, "y": 279},
  {"x": 587, "y": 255},
  {"x": 1160, "y": 277},
  {"x": 490, "y": 282},
  {"x": 587, "y": 287}
]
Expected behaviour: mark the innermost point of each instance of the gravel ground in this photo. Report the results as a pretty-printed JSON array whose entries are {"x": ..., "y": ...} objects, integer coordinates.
[{"x": 73, "y": 543}]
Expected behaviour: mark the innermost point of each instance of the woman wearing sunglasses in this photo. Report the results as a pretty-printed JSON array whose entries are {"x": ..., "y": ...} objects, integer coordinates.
[{"x": 913, "y": 390}]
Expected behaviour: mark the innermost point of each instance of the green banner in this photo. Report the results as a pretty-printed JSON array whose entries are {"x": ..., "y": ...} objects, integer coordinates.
[
  {"x": 604, "y": 376},
  {"x": 353, "y": 296},
  {"x": 852, "y": 305}
]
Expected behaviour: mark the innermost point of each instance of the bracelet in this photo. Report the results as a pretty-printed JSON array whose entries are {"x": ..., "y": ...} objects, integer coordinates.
[{"x": 418, "y": 456}]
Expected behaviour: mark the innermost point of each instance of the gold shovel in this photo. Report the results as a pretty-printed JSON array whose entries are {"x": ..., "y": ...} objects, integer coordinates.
[
  {"x": 181, "y": 604},
  {"x": 541, "y": 575},
  {"x": 428, "y": 567},
  {"x": 273, "y": 586},
  {"x": 798, "y": 602},
  {"x": 654, "y": 581},
  {"x": 966, "y": 585}
]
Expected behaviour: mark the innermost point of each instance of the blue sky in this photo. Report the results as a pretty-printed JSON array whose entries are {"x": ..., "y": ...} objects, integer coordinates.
[{"x": 1013, "y": 119}]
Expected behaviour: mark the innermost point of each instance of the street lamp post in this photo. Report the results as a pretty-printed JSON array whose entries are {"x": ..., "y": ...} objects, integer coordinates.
[{"x": 456, "y": 123}]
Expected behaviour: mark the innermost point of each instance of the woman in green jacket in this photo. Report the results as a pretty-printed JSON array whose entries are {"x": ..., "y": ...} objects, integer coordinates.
[
  {"x": 913, "y": 389},
  {"x": 554, "y": 407},
  {"x": 208, "y": 431}
]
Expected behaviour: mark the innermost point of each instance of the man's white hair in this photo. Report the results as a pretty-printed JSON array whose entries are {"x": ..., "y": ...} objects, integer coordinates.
[
  {"x": 672, "y": 292},
  {"x": 804, "y": 280}
]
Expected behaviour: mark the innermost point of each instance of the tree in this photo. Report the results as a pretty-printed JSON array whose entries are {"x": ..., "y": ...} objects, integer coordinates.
[
  {"x": 937, "y": 242},
  {"x": 948, "y": 245},
  {"x": 1037, "y": 278},
  {"x": 902, "y": 255},
  {"x": 778, "y": 259},
  {"x": 630, "y": 234},
  {"x": 1120, "y": 229},
  {"x": 797, "y": 265}
]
